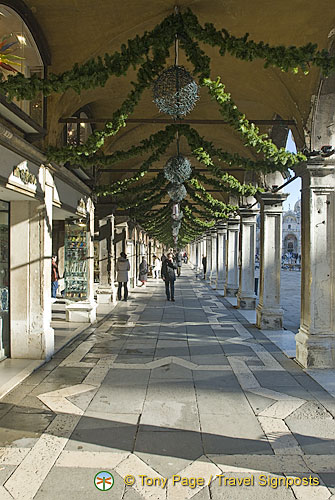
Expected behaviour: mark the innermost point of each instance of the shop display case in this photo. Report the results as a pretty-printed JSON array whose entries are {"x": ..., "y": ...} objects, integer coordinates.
[
  {"x": 75, "y": 265},
  {"x": 4, "y": 280}
]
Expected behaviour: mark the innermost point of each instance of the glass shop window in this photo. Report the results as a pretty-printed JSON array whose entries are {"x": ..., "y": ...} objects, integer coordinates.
[{"x": 14, "y": 31}]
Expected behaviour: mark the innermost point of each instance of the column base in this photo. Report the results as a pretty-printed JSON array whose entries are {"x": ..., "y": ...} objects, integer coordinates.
[
  {"x": 230, "y": 290},
  {"x": 36, "y": 345},
  {"x": 105, "y": 295},
  {"x": 81, "y": 312},
  {"x": 315, "y": 351},
  {"x": 246, "y": 302},
  {"x": 269, "y": 319},
  {"x": 219, "y": 285},
  {"x": 212, "y": 280}
]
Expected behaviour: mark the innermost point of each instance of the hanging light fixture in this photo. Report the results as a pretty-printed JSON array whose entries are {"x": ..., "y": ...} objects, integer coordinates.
[
  {"x": 177, "y": 192},
  {"x": 177, "y": 169},
  {"x": 175, "y": 91}
]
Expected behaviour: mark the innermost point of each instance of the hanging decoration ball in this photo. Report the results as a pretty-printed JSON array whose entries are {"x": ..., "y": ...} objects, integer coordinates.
[
  {"x": 177, "y": 169},
  {"x": 176, "y": 224},
  {"x": 175, "y": 92},
  {"x": 178, "y": 217},
  {"x": 177, "y": 192}
]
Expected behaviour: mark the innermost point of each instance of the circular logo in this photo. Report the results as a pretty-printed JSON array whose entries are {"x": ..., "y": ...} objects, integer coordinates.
[{"x": 104, "y": 480}]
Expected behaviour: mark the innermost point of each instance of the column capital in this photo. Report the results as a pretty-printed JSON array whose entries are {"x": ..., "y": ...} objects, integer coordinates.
[
  {"x": 269, "y": 198},
  {"x": 222, "y": 227},
  {"x": 234, "y": 223},
  {"x": 272, "y": 202},
  {"x": 248, "y": 212}
]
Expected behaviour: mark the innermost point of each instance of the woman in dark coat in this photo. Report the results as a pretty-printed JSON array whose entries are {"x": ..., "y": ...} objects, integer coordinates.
[{"x": 143, "y": 277}]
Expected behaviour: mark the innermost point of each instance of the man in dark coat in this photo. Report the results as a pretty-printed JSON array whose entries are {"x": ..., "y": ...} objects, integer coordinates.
[
  {"x": 179, "y": 259},
  {"x": 169, "y": 276},
  {"x": 204, "y": 265}
]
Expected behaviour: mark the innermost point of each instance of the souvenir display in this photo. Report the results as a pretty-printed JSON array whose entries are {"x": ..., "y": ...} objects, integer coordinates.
[{"x": 75, "y": 269}]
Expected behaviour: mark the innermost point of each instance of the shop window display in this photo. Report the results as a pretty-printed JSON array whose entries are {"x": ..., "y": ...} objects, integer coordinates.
[{"x": 75, "y": 266}]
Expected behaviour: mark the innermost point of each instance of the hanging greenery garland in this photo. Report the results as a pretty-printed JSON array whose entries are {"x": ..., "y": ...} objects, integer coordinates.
[
  {"x": 149, "y": 54},
  {"x": 250, "y": 133},
  {"x": 95, "y": 72},
  {"x": 229, "y": 184}
]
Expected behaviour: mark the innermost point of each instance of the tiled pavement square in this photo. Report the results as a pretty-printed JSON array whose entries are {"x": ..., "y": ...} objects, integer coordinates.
[{"x": 178, "y": 384}]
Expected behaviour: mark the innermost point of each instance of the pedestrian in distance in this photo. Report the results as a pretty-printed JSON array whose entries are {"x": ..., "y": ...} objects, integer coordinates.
[
  {"x": 204, "y": 265},
  {"x": 169, "y": 276},
  {"x": 157, "y": 267},
  {"x": 143, "y": 274},
  {"x": 179, "y": 260},
  {"x": 54, "y": 277},
  {"x": 122, "y": 268}
]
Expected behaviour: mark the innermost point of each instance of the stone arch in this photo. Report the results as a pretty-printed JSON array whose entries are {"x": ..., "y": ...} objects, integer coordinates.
[
  {"x": 290, "y": 244},
  {"x": 323, "y": 112}
]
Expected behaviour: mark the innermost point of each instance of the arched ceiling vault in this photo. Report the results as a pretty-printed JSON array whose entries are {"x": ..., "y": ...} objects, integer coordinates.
[{"x": 77, "y": 30}]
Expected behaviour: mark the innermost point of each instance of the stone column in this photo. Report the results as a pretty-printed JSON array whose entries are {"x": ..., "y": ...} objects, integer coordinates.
[
  {"x": 269, "y": 313},
  {"x": 212, "y": 279},
  {"x": 246, "y": 298},
  {"x": 106, "y": 291},
  {"x": 208, "y": 255},
  {"x": 316, "y": 337},
  {"x": 233, "y": 232},
  {"x": 200, "y": 254},
  {"x": 221, "y": 256},
  {"x": 192, "y": 256},
  {"x": 30, "y": 274},
  {"x": 85, "y": 311}
]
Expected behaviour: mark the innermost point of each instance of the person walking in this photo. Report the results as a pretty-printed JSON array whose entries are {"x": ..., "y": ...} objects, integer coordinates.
[
  {"x": 169, "y": 276},
  {"x": 204, "y": 265},
  {"x": 122, "y": 268},
  {"x": 157, "y": 267},
  {"x": 179, "y": 260},
  {"x": 143, "y": 274},
  {"x": 54, "y": 277}
]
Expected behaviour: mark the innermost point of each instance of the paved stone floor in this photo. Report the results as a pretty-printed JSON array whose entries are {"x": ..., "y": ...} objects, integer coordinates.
[
  {"x": 173, "y": 394},
  {"x": 290, "y": 289}
]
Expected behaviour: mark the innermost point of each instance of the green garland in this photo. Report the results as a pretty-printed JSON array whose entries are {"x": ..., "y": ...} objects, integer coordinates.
[
  {"x": 211, "y": 202},
  {"x": 196, "y": 142},
  {"x": 145, "y": 77},
  {"x": 229, "y": 184},
  {"x": 250, "y": 133},
  {"x": 95, "y": 72}
]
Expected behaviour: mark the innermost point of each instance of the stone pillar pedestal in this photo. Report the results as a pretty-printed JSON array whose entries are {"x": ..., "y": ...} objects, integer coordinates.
[
  {"x": 221, "y": 256},
  {"x": 233, "y": 231},
  {"x": 30, "y": 274},
  {"x": 316, "y": 337},
  {"x": 106, "y": 292},
  {"x": 246, "y": 298},
  {"x": 208, "y": 255},
  {"x": 85, "y": 311},
  {"x": 269, "y": 314},
  {"x": 212, "y": 278}
]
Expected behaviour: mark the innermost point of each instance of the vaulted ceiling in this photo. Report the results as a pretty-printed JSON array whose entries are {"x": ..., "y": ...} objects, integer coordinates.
[{"x": 77, "y": 30}]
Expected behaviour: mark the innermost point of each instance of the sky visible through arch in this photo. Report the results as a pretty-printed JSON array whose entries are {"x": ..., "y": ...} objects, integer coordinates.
[{"x": 295, "y": 186}]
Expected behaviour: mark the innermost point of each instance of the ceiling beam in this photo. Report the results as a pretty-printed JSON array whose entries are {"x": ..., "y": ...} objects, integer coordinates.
[{"x": 74, "y": 119}]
